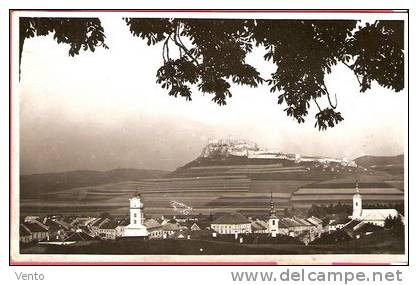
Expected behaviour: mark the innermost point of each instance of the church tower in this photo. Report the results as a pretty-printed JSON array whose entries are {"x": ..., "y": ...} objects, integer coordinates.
[
  {"x": 136, "y": 210},
  {"x": 136, "y": 227},
  {"x": 272, "y": 211},
  {"x": 357, "y": 206},
  {"x": 273, "y": 223}
]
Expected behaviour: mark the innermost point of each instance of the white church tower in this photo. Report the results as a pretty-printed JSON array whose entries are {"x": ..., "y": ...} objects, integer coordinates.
[
  {"x": 136, "y": 226},
  {"x": 273, "y": 223},
  {"x": 357, "y": 206}
]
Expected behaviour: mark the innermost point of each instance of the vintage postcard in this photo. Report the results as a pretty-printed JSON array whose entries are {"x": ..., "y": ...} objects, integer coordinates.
[{"x": 209, "y": 137}]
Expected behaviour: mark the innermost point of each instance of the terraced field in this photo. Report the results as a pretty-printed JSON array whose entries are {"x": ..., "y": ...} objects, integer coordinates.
[
  {"x": 226, "y": 187},
  {"x": 247, "y": 169},
  {"x": 336, "y": 191},
  {"x": 157, "y": 194}
]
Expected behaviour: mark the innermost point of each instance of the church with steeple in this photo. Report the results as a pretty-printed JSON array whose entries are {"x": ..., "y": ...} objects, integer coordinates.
[
  {"x": 357, "y": 204},
  {"x": 273, "y": 224},
  {"x": 136, "y": 226},
  {"x": 372, "y": 216}
]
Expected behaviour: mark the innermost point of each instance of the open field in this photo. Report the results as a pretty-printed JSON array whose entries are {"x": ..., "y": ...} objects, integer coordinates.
[{"x": 206, "y": 195}]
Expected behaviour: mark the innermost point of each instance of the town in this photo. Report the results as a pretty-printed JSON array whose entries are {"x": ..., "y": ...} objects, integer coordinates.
[{"x": 61, "y": 231}]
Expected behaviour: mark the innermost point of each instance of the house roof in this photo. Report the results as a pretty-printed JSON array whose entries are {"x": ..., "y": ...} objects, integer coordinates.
[
  {"x": 23, "y": 231},
  {"x": 52, "y": 224},
  {"x": 171, "y": 227},
  {"x": 79, "y": 236},
  {"x": 151, "y": 223},
  {"x": 35, "y": 227},
  {"x": 64, "y": 224},
  {"x": 172, "y": 221},
  {"x": 339, "y": 221},
  {"x": 303, "y": 222},
  {"x": 288, "y": 222},
  {"x": 259, "y": 225},
  {"x": 195, "y": 225},
  {"x": 232, "y": 218},
  {"x": 203, "y": 224},
  {"x": 84, "y": 228},
  {"x": 98, "y": 221},
  {"x": 126, "y": 221},
  {"x": 377, "y": 214},
  {"x": 109, "y": 225},
  {"x": 364, "y": 227},
  {"x": 314, "y": 220},
  {"x": 350, "y": 226},
  {"x": 56, "y": 224}
]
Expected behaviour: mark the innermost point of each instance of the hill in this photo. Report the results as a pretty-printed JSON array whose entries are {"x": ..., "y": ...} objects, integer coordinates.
[
  {"x": 35, "y": 184},
  {"x": 265, "y": 168},
  {"x": 371, "y": 160},
  {"x": 393, "y": 165}
]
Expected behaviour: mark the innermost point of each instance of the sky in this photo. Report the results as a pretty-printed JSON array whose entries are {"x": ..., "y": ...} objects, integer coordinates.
[{"x": 104, "y": 110}]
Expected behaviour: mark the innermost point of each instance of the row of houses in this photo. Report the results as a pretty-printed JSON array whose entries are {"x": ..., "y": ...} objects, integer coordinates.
[
  {"x": 55, "y": 229},
  {"x": 235, "y": 223}
]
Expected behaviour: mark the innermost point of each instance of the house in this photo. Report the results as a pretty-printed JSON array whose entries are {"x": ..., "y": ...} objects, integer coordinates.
[
  {"x": 289, "y": 227},
  {"x": 57, "y": 230},
  {"x": 376, "y": 217},
  {"x": 82, "y": 221},
  {"x": 309, "y": 227},
  {"x": 31, "y": 218},
  {"x": 317, "y": 222},
  {"x": 39, "y": 231},
  {"x": 195, "y": 225},
  {"x": 120, "y": 229},
  {"x": 232, "y": 223},
  {"x": 200, "y": 225},
  {"x": 336, "y": 224},
  {"x": 77, "y": 236},
  {"x": 96, "y": 224},
  {"x": 259, "y": 227},
  {"x": 84, "y": 228},
  {"x": 181, "y": 218},
  {"x": 154, "y": 228},
  {"x": 356, "y": 228},
  {"x": 107, "y": 230},
  {"x": 25, "y": 235},
  {"x": 305, "y": 225},
  {"x": 318, "y": 227},
  {"x": 170, "y": 230},
  {"x": 364, "y": 229}
]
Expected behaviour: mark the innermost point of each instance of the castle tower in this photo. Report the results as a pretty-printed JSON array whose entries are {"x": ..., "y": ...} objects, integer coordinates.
[{"x": 357, "y": 205}]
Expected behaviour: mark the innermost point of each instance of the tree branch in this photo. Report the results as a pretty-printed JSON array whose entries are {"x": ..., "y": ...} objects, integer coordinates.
[
  {"x": 165, "y": 48},
  {"x": 176, "y": 39},
  {"x": 329, "y": 99},
  {"x": 351, "y": 67},
  {"x": 319, "y": 108}
]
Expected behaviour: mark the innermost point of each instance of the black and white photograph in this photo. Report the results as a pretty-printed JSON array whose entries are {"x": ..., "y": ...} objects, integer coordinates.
[{"x": 212, "y": 136}]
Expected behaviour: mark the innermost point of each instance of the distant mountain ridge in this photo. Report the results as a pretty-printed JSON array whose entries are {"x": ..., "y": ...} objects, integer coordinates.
[
  {"x": 33, "y": 184},
  {"x": 373, "y": 160}
]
